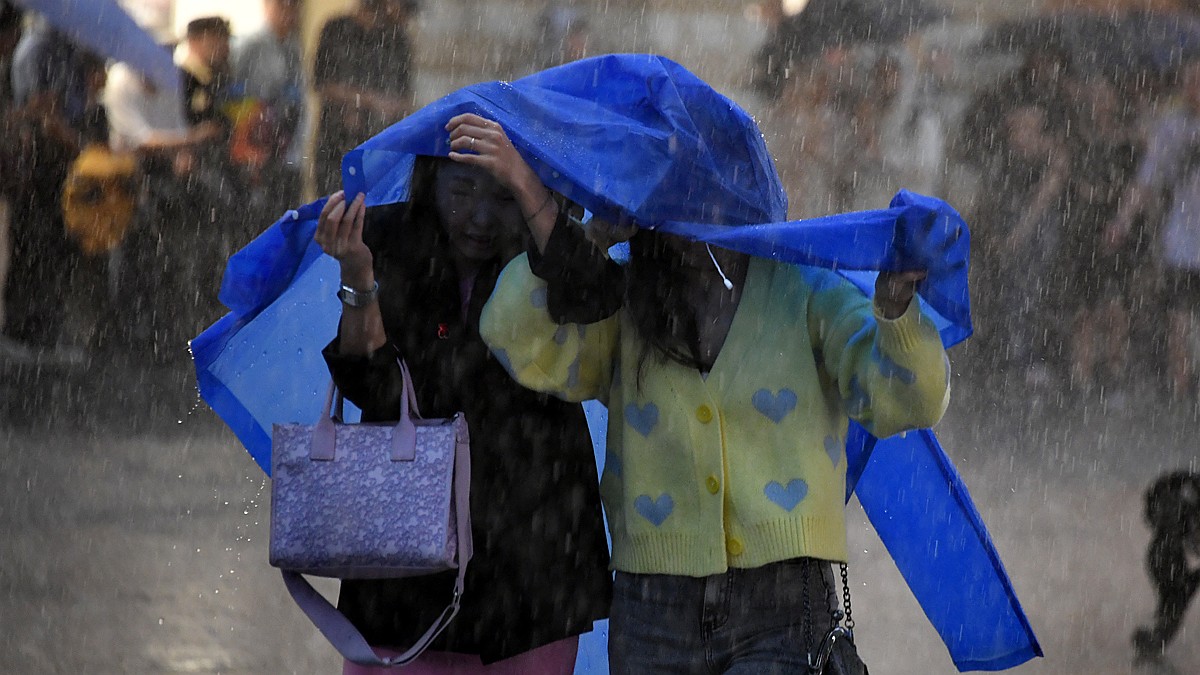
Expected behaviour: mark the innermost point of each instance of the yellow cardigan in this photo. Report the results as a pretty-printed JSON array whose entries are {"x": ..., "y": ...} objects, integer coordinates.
[{"x": 747, "y": 466}]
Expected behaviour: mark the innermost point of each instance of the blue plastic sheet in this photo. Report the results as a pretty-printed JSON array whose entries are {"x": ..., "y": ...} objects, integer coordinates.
[{"x": 639, "y": 137}]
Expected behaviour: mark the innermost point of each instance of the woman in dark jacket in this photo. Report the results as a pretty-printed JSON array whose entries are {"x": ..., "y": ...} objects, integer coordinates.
[{"x": 539, "y": 577}]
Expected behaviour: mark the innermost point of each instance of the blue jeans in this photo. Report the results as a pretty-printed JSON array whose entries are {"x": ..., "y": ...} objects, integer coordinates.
[{"x": 762, "y": 620}]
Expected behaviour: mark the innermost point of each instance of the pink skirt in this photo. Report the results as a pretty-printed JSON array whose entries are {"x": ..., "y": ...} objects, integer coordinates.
[{"x": 556, "y": 658}]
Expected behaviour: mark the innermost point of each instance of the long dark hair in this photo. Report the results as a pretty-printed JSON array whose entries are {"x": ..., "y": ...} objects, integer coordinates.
[
  {"x": 415, "y": 221},
  {"x": 657, "y": 305}
]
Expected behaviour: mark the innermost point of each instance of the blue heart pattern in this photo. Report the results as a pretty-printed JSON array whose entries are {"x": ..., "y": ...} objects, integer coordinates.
[
  {"x": 859, "y": 401},
  {"x": 643, "y": 419},
  {"x": 656, "y": 511},
  {"x": 537, "y": 298},
  {"x": 890, "y": 369},
  {"x": 834, "y": 448},
  {"x": 787, "y": 498},
  {"x": 774, "y": 406}
]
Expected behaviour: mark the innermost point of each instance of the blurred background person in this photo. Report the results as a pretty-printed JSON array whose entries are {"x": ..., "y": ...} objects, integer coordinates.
[
  {"x": 10, "y": 34},
  {"x": 1102, "y": 153},
  {"x": 205, "y": 66},
  {"x": 1040, "y": 80},
  {"x": 56, "y": 103},
  {"x": 151, "y": 121},
  {"x": 564, "y": 34},
  {"x": 1018, "y": 222},
  {"x": 812, "y": 138},
  {"x": 363, "y": 73},
  {"x": 99, "y": 203},
  {"x": 1172, "y": 164},
  {"x": 879, "y": 108},
  {"x": 47, "y": 61},
  {"x": 174, "y": 223},
  {"x": 216, "y": 182},
  {"x": 913, "y": 130},
  {"x": 1013, "y": 133},
  {"x": 269, "y": 135}
]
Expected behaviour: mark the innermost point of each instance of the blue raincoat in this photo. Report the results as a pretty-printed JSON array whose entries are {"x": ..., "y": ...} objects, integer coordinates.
[{"x": 638, "y": 136}]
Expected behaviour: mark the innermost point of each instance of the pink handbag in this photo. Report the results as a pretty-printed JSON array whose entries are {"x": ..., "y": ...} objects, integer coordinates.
[{"x": 370, "y": 501}]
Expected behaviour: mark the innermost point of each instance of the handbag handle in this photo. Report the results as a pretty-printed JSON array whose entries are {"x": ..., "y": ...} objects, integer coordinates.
[
  {"x": 404, "y": 435},
  {"x": 342, "y": 634},
  {"x": 409, "y": 395}
]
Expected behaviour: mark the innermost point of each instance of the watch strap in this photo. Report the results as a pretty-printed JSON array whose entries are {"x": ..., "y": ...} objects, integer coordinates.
[{"x": 352, "y": 297}]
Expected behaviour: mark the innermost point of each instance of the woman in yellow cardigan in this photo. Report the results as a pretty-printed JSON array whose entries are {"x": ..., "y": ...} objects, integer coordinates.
[{"x": 729, "y": 382}]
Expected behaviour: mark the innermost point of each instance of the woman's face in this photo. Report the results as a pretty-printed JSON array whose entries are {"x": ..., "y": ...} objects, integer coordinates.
[{"x": 480, "y": 216}]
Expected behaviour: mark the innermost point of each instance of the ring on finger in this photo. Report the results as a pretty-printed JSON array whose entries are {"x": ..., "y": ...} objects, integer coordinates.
[{"x": 472, "y": 143}]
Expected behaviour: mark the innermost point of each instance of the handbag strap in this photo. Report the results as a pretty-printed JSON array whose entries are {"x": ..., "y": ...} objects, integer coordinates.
[
  {"x": 342, "y": 634},
  {"x": 404, "y": 436},
  {"x": 410, "y": 391}
]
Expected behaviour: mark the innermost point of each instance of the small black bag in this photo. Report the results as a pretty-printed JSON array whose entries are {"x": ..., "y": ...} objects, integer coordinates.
[{"x": 836, "y": 654}]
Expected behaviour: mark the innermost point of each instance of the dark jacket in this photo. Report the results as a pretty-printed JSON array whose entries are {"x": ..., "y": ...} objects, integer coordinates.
[{"x": 540, "y": 571}]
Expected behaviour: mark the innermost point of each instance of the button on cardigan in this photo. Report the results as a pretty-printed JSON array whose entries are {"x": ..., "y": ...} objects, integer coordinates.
[{"x": 745, "y": 466}]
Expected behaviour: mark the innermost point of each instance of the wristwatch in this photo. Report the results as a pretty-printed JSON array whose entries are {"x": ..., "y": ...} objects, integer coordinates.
[{"x": 352, "y": 297}]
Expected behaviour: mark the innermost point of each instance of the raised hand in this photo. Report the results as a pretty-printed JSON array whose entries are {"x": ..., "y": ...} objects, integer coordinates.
[
  {"x": 895, "y": 290},
  {"x": 339, "y": 234},
  {"x": 481, "y": 142}
]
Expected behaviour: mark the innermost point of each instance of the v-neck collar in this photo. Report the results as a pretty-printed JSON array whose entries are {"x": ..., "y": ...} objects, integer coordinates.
[{"x": 749, "y": 305}]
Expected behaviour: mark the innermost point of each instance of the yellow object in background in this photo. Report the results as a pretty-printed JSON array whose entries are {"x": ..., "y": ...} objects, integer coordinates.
[{"x": 100, "y": 198}]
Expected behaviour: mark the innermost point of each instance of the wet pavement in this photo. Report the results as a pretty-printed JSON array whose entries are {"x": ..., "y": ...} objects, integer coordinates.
[{"x": 135, "y": 530}]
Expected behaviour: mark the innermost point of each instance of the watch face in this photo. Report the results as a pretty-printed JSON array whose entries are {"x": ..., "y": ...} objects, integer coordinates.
[
  {"x": 355, "y": 298},
  {"x": 348, "y": 296}
]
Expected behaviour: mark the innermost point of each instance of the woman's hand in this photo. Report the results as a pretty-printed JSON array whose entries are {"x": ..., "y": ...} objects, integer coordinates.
[
  {"x": 895, "y": 290},
  {"x": 340, "y": 234},
  {"x": 483, "y": 143}
]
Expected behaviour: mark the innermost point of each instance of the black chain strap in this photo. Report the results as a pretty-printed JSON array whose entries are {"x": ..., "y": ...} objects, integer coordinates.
[
  {"x": 846, "y": 597},
  {"x": 817, "y": 662},
  {"x": 831, "y": 602},
  {"x": 838, "y": 630}
]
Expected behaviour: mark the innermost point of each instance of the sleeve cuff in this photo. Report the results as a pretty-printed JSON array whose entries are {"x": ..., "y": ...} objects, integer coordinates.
[
  {"x": 905, "y": 332},
  {"x": 341, "y": 363}
]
